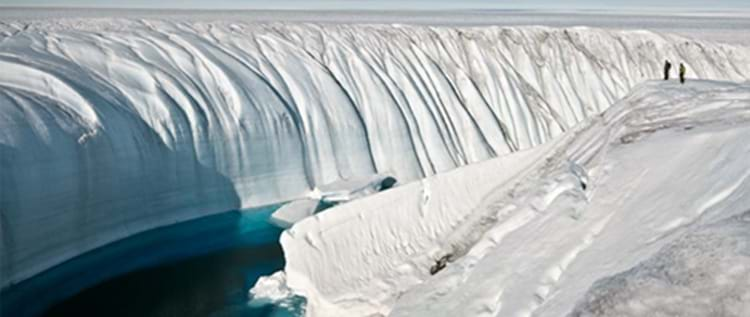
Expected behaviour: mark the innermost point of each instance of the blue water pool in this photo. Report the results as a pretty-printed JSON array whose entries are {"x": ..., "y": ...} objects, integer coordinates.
[{"x": 202, "y": 267}]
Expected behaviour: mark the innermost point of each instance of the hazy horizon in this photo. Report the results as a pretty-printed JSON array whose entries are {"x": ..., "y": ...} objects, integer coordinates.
[{"x": 387, "y": 5}]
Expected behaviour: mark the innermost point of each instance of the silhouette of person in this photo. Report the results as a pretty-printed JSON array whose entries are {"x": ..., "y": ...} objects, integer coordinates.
[{"x": 683, "y": 70}]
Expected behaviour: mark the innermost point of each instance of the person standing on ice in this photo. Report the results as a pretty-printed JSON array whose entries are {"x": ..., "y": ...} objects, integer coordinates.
[
  {"x": 683, "y": 70},
  {"x": 667, "y": 67}
]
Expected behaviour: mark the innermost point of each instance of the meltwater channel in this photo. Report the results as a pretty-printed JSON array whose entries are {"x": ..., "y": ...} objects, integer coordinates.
[{"x": 201, "y": 267}]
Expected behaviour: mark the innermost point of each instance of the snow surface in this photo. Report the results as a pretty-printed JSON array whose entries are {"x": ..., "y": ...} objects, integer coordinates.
[
  {"x": 293, "y": 212},
  {"x": 353, "y": 188},
  {"x": 109, "y": 127},
  {"x": 731, "y": 27},
  {"x": 704, "y": 273},
  {"x": 641, "y": 209}
]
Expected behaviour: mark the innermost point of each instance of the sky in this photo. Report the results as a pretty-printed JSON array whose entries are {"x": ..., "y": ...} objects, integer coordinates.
[{"x": 673, "y": 5}]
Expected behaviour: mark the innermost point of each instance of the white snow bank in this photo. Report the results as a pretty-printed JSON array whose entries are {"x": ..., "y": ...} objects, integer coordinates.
[
  {"x": 398, "y": 233},
  {"x": 109, "y": 127},
  {"x": 530, "y": 233}
]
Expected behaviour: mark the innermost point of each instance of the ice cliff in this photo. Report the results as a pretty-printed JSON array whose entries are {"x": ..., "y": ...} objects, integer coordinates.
[
  {"x": 640, "y": 211},
  {"x": 111, "y": 127}
]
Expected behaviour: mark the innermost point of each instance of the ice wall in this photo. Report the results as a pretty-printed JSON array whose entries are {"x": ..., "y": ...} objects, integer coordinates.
[
  {"x": 110, "y": 127},
  {"x": 528, "y": 234}
]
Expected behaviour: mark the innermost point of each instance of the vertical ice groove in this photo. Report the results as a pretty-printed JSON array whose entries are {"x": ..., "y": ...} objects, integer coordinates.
[{"x": 141, "y": 123}]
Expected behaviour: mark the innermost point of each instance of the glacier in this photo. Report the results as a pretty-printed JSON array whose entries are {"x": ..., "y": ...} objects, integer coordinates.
[
  {"x": 110, "y": 127},
  {"x": 642, "y": 210}
]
